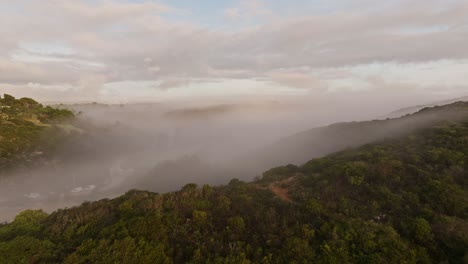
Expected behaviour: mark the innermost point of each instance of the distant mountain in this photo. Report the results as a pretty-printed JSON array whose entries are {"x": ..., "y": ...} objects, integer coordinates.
[
  {"x": 403, "y": 199},
  {"x": 321, "y": 141},
  {"x": 217, "y": 110},
  {"x": 414, "y": 109}
]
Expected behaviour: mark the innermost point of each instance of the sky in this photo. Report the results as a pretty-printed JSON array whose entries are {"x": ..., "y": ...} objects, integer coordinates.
[{"x": 136, "y": 50}]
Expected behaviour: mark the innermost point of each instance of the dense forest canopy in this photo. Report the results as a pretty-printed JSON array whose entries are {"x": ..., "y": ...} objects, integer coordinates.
[{"x": 398, "y": 200}]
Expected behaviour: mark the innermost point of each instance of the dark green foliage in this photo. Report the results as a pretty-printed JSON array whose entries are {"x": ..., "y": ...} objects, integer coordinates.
[
  {"x": 25, "y": 249},
  {"x": 19, "y": 241},
  {"x": 26, "y": 223},
  {"x": 403, "y": 200}
]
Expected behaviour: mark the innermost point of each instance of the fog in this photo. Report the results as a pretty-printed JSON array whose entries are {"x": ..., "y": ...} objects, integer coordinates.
[{"x": 162, "y": 146}]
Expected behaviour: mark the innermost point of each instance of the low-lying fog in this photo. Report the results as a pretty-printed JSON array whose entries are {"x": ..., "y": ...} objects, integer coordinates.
[{"x": 161, "y": 147}]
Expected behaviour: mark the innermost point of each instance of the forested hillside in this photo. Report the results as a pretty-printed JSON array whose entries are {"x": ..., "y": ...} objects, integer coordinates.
[
  {"x": 399, "y": 200},
  {"x": 29, "y": 131}
]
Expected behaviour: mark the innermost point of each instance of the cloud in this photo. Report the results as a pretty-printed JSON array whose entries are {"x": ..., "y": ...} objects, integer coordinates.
[
  {"x": 232, "y": 13},
  {"x": 117, "y": 41},
  {"x": 172, "y": 83},
  {"x": 250, "y": 10},
  {"x": 153, "y": 69},
  {"x": 297, "y": 79}
]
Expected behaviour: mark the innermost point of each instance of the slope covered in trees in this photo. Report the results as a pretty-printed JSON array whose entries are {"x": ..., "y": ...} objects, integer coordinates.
[
  {"x": 399, "y": 200},
  {"x": 28, "y": 130}
]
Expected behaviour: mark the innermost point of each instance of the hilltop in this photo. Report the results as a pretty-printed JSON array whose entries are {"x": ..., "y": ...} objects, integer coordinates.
[
  {"x": 400, "y": 199},
  {"x": 29, "y": 130}
]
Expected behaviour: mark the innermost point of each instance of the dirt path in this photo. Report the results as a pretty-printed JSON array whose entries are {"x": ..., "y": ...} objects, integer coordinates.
[{"x": 281, "y": 192}]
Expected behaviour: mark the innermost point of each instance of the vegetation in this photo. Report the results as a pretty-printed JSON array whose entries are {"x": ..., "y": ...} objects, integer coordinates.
[
  {"x": 23, "y": 126},
  {"x": 400, "y": 200}
]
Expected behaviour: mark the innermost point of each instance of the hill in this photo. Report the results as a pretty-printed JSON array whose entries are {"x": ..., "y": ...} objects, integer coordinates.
[
  {"x": 29, "y": 131},
  {"x": 414, "y": 109},
  {"x": 403, "y": 199},
  {"x": 317, "y": 142}
]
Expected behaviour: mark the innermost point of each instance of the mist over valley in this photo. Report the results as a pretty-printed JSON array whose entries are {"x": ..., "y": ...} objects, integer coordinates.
[{"x": 240, "y": 131}]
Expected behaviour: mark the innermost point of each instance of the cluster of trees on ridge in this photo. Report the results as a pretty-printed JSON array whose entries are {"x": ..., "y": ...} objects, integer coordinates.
[
  {"x": 400, "y": 200},
  {"x": 28, "y": 130}
]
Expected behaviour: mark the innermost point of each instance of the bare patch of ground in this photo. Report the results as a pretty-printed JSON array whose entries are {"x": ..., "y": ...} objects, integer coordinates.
[{"x": 279, "y": 188}]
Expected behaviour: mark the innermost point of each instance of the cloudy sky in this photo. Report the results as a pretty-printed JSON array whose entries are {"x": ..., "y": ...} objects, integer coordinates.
[{"x": 124, "y": 51}]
